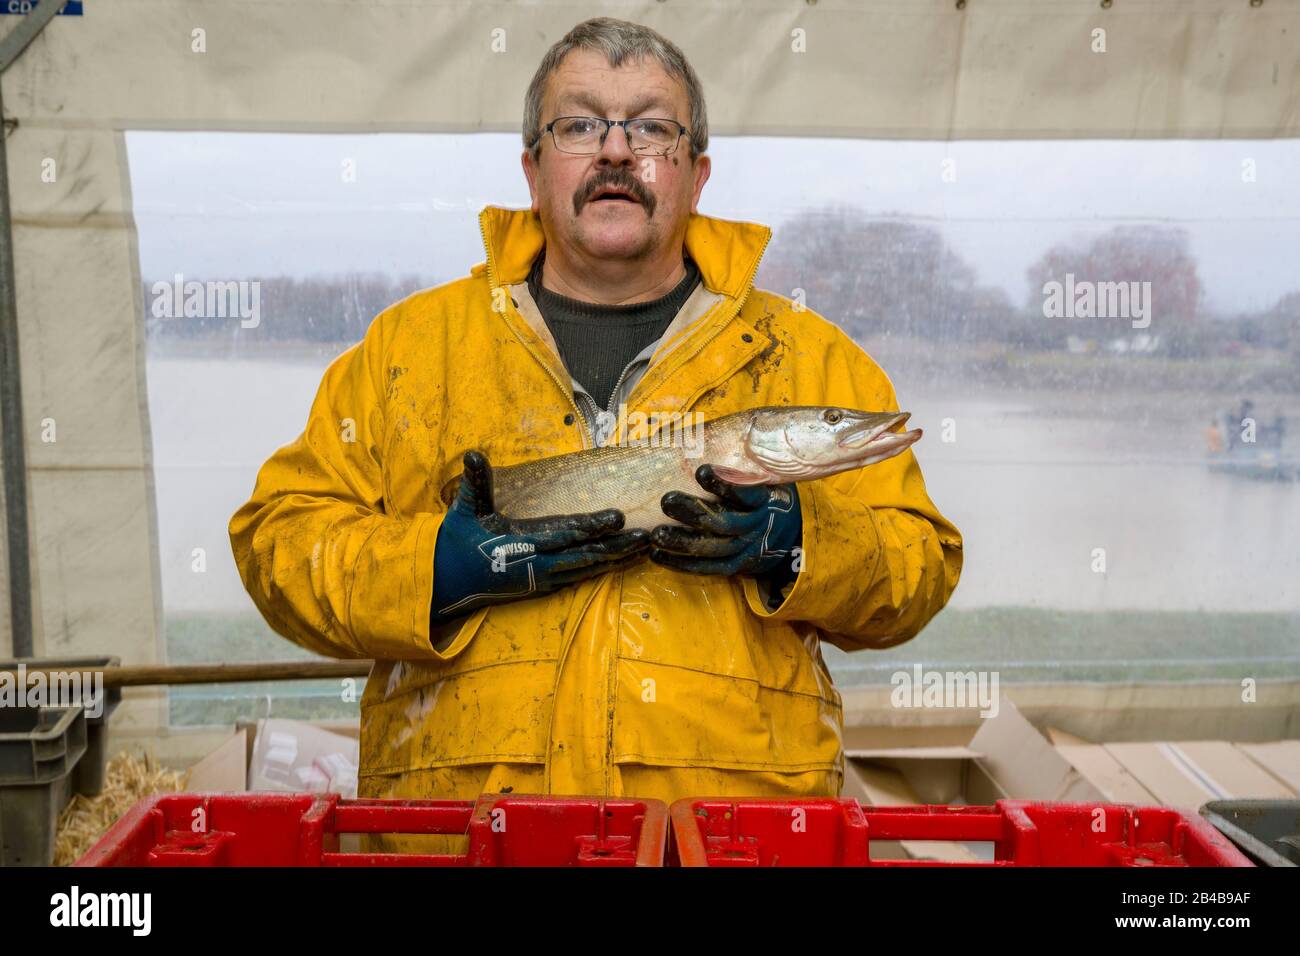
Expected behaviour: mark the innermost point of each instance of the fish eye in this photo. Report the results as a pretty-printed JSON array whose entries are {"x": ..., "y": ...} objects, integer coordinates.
[{"x": 831, "y": 416}]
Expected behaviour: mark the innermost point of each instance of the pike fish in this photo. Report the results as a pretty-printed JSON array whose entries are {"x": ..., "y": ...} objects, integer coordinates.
[{"x": 761, "y": 446}]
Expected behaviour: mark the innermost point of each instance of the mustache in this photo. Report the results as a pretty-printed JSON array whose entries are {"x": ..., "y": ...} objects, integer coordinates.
[{"x": 619, "y": 178}]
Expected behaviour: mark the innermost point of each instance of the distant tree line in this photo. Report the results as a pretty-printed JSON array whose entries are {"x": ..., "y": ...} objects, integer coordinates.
[
  {"x": 890, "y": 276},
  {"x": 874, "y": 276}
]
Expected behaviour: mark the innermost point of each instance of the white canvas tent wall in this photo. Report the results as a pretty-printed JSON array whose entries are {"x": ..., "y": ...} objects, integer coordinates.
[{"x": 916, "y": 69}]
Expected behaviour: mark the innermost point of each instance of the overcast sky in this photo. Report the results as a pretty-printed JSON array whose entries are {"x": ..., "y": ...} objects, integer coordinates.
[{"x": 232, "y": 205}]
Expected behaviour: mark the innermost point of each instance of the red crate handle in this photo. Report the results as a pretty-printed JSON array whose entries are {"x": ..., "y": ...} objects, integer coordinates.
[
  {"x": 691, "y": 850},
  {"x": 653, "y": 831}
]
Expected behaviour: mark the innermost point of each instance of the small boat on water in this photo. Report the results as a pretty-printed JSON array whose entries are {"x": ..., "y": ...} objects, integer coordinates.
[
  {"x": 1261, "y": 464},
  {"x": 1237, "y": 444}
]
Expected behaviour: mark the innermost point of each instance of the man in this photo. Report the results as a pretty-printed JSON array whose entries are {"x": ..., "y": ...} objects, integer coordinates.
[{"x": 571, "y": 656}]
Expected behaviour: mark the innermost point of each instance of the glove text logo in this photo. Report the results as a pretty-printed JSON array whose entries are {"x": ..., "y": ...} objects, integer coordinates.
[{"x": 503, "y": 553}]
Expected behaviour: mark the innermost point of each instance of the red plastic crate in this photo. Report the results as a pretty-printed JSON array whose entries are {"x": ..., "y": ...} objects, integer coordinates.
[
  {"x": 721, "y": 831},
  {"x": 275, "y": 829}
]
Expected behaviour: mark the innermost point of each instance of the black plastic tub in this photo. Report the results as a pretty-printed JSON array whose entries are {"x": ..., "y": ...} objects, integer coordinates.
[
  {"x": 88, "y": 779},
  {"x": 1267, "y": 831},
  {"x": 40, "y": 750}
]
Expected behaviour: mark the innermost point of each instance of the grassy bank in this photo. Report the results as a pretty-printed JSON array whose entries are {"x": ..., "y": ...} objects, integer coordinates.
[
  {"x": 1037, "y": 644},
  {"x": 206, "y": 638},
  {"x": 995, "y": 366}
]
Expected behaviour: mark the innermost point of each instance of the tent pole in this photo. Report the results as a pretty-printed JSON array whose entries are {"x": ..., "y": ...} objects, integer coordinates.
[{"x": 12, "y": 431}]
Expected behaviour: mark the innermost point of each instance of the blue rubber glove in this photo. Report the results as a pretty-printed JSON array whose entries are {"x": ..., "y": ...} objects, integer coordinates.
[
  {"x": 482, "y": 557},
  {"x": 752, "y": 529}
]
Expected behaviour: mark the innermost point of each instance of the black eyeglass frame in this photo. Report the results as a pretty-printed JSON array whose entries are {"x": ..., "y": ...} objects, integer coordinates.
[{"x": 610, "y": 124}]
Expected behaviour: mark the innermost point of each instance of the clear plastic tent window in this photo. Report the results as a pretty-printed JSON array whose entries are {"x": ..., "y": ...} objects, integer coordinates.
[{"x": 1118, "y": 526}]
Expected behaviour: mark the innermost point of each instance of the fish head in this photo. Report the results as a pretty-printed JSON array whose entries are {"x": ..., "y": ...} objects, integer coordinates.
[{"x": 801, "y": 443}]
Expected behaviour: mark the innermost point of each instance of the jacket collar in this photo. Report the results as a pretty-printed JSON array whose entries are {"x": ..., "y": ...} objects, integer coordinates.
[{"x": 727, "y": 251}]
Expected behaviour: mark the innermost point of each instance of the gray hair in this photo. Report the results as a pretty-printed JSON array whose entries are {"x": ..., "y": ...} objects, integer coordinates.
[{"x": 619, "y": 41}]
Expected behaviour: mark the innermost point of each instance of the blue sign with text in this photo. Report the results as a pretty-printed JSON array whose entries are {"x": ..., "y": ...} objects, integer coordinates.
[{"x": 72, "y": 9}]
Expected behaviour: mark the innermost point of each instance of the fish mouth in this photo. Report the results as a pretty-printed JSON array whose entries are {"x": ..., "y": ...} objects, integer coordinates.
[
  {"x": 886, "y": 445},
  {"x": 873, "y": 431}
]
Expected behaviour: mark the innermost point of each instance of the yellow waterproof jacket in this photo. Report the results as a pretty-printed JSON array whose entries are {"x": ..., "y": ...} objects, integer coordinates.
[{"x": 644, "y": 682}]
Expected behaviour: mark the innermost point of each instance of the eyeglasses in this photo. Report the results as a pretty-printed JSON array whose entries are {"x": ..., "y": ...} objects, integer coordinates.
[{"x": 585, "y": 135}]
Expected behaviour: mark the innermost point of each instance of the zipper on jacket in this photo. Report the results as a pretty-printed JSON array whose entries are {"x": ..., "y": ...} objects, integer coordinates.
[
  {"x": 618, "y": 385},
  {"x": 589, "y": 417},
  {"x": 611, "y": 686},
  {"x": 614, "y": 397},
  {"x": 595, "y": 409}
]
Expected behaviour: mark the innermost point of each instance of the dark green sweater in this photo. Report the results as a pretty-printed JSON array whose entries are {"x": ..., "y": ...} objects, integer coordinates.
[{"x": 596, "y": 341}]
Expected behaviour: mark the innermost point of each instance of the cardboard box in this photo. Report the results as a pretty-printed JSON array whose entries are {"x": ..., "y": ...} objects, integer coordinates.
[
  {"x": 225, "y": 769},
  {"x": 1099, "y": 766},
  {"x": 298, "y": 757},
  {"x": 1281, "y": 758},
  {"x": 1005, "y": 756},
  {"x": 1190, "y": 773},
  {"x": 285, "y": 755}
]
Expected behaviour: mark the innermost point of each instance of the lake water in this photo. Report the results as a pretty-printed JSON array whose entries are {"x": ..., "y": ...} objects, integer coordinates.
[{"x": 1036, "y": 483}]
